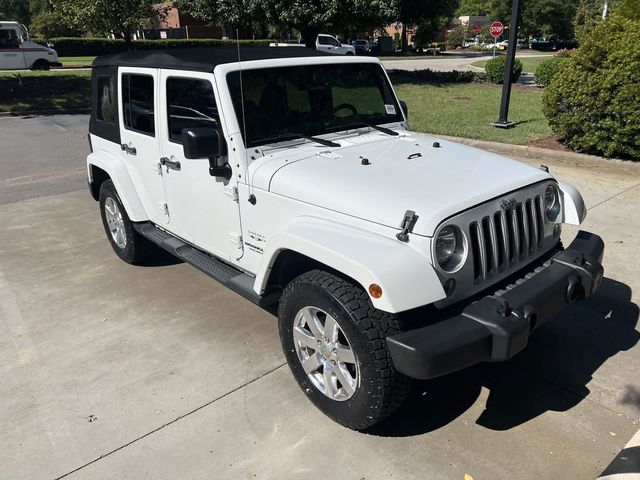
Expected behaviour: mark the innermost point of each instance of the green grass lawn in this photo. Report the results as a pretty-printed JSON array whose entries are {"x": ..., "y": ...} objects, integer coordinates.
[
  {"x": 26, "y": 91},
  {"x": 76, "y": 61},
  {"x": 529, "y": 64},
  {"x": 467, "y": 110}
]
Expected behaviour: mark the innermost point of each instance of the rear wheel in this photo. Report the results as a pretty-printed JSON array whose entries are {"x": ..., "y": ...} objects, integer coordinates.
[
  {"x": 128, "y": 244},
  {"x": 334, "y": 341}
]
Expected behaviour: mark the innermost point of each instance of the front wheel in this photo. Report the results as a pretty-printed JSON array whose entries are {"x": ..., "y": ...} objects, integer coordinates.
[
  {"x": 41, "y": 65},
  {"x": 334, "y": 342}
]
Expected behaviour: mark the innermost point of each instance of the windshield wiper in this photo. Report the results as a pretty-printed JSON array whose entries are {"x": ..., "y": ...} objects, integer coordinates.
[
  {"x": 293, "y": 136},
  {"x": 388, "y": 131}
]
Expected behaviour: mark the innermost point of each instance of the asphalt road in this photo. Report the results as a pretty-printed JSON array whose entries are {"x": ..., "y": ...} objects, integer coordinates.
[
  {"x": 114, "y": 371},
  {"x": 42, "y": 156}
]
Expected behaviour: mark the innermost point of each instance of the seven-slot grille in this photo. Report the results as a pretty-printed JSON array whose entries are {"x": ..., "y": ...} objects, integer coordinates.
[{"x": 507, "y": 237}]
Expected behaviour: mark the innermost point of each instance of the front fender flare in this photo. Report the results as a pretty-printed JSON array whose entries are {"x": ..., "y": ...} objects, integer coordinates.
[
  {"x": 407, "y": 278},
  {"x": 121, "y": 180},
  {"x": 573, "y": 208}
]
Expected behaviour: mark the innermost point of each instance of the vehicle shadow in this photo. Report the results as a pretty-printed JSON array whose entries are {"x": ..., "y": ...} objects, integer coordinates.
[{"x": 551, "y": 374}]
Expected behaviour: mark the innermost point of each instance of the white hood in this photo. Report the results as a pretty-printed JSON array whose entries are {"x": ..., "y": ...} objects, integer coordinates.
[{"x": 404, "y": 173}]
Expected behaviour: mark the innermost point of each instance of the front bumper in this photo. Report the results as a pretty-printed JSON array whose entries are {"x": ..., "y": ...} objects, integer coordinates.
[{"x": 498, "y": 326}]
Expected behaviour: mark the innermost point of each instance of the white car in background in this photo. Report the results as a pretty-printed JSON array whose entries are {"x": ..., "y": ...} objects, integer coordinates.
[
  {"x": 18, "y": 52},
  {"x": 324, "y": 43}
]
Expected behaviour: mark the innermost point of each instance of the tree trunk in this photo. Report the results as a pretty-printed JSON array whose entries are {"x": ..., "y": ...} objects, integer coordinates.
[
  {"x": 404, "y": 44},
  {"x": 310, "y": 35},
  {"x": 126, "y": 36}
]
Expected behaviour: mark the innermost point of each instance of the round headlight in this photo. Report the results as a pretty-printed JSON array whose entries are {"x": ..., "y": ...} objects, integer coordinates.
[
  {"x": 450, "y": 248},
  {"x": 446, "y": 245},
  {"x": 551, "y": 202}
]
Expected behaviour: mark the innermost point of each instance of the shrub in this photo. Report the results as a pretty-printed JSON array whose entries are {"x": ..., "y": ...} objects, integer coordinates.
[
  {"x": 548, "y": 69},
  {"x": 593, "y": 102},
  {"x": 431, "y": 76},
  {"x": 495, "y": 69},
  {"x": 76, "y": 47}
]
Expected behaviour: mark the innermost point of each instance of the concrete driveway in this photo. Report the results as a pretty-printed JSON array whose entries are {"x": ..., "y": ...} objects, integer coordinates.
[{"x": 114, "y": 371}]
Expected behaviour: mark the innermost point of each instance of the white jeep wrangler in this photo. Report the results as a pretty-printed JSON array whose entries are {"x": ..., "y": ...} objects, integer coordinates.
[{"x": 291, "y": 176}]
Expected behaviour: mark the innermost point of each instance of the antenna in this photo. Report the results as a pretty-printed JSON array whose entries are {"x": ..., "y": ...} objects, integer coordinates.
[{"x": 244, "y": 122}]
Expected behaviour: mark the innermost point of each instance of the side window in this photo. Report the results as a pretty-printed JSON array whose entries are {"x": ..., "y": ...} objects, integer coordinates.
[
  {"x": 106, "y": 98},
  {"x": 190, "y": 104},
  {"x": 137, "y": 103},
  {"x": 9, "y": 39},
  {"x": 323, "y": 40}
]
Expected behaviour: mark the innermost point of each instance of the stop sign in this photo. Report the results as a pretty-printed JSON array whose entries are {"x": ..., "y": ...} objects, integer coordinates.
[
  {"x": 496, "y": 29},
  {"x": 476, "y": 29}
]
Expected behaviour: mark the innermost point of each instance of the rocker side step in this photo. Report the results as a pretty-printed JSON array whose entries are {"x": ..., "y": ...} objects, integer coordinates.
[{"x": 236, "y": 280}]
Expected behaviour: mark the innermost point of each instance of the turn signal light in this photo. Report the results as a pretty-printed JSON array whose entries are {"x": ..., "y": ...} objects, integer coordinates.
[{"x": 375, "y": 290}]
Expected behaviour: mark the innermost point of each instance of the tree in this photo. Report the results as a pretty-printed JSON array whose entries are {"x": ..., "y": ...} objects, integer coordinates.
[
  {"x": 309, "y": 17},
  {"x": 120, "y": 18},
  {"x": 17, "y": 10},
  {"x": 51, "y": 24},
  {"x": 422, "y": 12}
]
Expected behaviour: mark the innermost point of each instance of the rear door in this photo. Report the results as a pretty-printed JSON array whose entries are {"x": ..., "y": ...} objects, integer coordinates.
[
  {"x": 11, "y": 55},
  {"x": 140, "y": 147},
  {"x": 204, "y": 209}
]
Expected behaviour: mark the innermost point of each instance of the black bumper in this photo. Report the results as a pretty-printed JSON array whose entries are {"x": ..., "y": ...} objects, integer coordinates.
[{"x": 497, "y": 327}]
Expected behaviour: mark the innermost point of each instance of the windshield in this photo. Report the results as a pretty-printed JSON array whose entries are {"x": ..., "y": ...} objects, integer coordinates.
[{"x": 311, "y": 100}]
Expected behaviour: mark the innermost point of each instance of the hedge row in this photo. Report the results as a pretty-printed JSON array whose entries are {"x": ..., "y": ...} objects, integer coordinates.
[{"x": 76, "y": 47}]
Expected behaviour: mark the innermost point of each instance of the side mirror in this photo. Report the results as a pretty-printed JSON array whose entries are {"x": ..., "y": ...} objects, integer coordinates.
[
  {"x": 205, "y": 142},
  {"x": 405, "y": 109}
]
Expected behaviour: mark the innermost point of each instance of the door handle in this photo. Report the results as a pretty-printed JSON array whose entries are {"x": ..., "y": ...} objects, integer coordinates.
[
  {"x": 170, "y": 164},
  {"x": 129, "y": 149}
]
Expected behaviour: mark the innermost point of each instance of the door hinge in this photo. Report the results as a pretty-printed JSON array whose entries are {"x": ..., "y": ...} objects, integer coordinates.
[
  {"x": 158, "y": 168},
  {"x": 235, "y": 239},
  {"x": 231, "y": 192},
  {"x": 408, "y": 222},
  {"x": 165, "y": 208}
]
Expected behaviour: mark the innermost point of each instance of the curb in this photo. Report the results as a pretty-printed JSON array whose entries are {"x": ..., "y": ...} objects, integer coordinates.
[
  {"x": 538, "y": 153},
  {"x": 55, "y": 111},
  {"x": 626, "y": 465}
]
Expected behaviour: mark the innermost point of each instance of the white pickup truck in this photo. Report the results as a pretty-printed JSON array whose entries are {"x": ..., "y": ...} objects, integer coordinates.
[
  {"x": 18, "y": 52},
  {"x": 324, "y": 43},
  {"x": 292, "y": 178}
]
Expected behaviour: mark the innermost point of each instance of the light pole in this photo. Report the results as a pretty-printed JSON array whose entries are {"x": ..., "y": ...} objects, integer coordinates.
[{"x": 503, "y": 121}]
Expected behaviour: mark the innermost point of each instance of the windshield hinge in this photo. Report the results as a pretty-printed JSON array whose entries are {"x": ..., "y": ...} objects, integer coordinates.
[
  {"x": 231, "y": 192},
  {"x": 408, "y": 222}
]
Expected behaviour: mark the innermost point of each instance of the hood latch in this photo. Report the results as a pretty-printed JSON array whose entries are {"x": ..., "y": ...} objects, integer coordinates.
[{"x": 408, "y": 222}]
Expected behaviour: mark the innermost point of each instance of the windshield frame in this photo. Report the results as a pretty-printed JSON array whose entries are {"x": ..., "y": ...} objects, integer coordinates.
[{"x": 224, "y": 72}]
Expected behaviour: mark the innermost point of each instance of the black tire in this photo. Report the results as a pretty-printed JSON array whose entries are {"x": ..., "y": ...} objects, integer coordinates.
[
  {"x": 349, "y": 53},
  {"x": 136, "y": 247},
  {"x": 41, "y": 65},
  {"x": 381, "y": 388}
]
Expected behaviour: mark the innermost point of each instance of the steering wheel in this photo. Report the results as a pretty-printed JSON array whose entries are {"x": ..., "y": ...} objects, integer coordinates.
[{"x": 345, "y": 106}]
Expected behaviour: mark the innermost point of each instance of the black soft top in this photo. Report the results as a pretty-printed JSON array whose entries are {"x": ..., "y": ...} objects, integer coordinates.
[{"x": 201, "y": 59}]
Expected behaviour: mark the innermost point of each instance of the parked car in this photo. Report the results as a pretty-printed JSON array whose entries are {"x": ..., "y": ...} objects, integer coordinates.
[
  {"x": 362, "y": 47},
  {"x": 324, "y": 43},
  {"x": 293, "y": 179},
  {"x": 18, "y": 52}
]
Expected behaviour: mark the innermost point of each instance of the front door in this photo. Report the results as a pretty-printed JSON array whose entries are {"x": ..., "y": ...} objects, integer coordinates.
[
  {"x": 11, "y": 55},
  {"x": 140, "y": 148},
  {"x": 203, "y": 209}
]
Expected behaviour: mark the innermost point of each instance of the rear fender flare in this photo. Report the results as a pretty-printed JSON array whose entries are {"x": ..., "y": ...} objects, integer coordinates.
[{"x": 121, "y": 180}]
